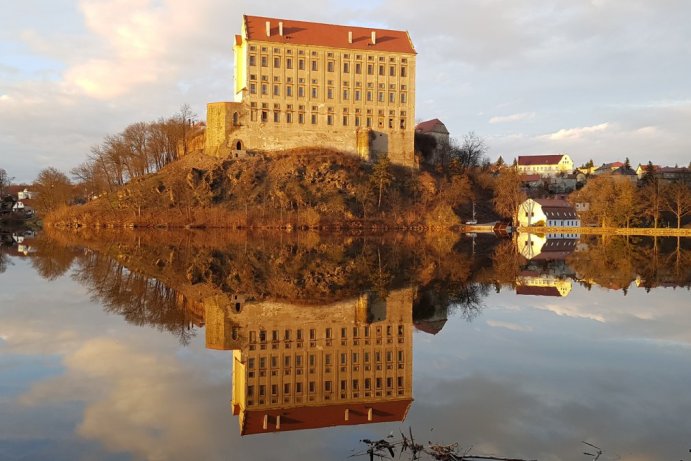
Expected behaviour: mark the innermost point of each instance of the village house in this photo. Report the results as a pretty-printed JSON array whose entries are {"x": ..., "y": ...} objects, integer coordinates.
[
  {"x": 544, "y": 165},
  {"x": 435, "y": 130},
  {"x": 305, "y": 84},
  {"x": 547, "y": 212}
]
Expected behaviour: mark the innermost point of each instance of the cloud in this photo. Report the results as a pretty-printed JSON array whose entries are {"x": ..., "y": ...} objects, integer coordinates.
[
  {"x": 509, "y": 325},
  {"x": 512, "y": 118},
  {"x": 576, "y": 133}
]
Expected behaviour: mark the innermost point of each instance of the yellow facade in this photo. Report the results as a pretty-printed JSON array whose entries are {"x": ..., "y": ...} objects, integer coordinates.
[
  {"x": 313, "y": 366},
  {"x": 344, "y": 96}
]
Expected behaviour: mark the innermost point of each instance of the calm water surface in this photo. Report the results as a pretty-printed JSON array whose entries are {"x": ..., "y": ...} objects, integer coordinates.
[{"x": 177, "y": 346}]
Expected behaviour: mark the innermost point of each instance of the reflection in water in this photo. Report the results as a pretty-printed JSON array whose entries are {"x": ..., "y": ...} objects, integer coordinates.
[
  {"x": 302, "y": 367},
  {"x": 321, "y": 329}
]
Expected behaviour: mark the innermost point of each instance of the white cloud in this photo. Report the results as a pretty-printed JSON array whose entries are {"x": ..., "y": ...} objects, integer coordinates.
[
  {"x": 576, "y": 133},
  {"x": 512, "y": 118},
  {"x": 509, "y": 325}
]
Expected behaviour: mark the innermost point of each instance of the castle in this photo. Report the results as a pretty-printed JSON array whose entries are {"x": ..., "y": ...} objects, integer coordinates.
[{"x": 305, "y": 84}]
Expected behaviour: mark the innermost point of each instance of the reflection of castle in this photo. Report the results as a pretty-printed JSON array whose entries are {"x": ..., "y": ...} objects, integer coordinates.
[{"x": 303, "y": 367}]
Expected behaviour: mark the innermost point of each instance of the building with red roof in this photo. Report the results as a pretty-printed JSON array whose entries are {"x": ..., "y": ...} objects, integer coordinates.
[
  {"x": 305, "y": 84},
  {"x": 544, "y": 165}
]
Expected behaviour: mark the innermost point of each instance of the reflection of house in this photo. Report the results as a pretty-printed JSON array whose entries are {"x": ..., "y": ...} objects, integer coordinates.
[
  {"x": 306, "y": 84},
  {"x": 546, "y": 248},
  {"x": 548, "y": 212},
  {"x": 544, "y": 165},
  {"x": 538, "y": 284},
  {"x": 302, "y": 367}
]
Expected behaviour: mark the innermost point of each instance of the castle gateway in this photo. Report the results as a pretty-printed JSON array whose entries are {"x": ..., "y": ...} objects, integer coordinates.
[{"x": 305, "y": 84}]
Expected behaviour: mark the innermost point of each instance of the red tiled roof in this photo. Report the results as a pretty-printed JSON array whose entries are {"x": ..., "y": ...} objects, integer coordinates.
[
  {"x": 429, "y": 126},
  {"x": 330, "y": 35},
  {"x": 539, "y": 159},
  {"x": 537, "y": 291},
  {"x": 314, "y": 417},
  {"x": 553, "y": 203},
  {"x": 430, "y": 326}
]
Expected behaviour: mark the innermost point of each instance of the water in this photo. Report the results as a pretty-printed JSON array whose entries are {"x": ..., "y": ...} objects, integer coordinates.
[{"x": 157, "y": 345}]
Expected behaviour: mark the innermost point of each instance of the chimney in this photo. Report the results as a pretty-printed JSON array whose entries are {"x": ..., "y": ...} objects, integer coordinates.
[
  {"x": 280, "y": 28},
  {"x": 350, "y": 36},
  {"x": 268, "y": 28},
  {"x": 374, "y": 37}
]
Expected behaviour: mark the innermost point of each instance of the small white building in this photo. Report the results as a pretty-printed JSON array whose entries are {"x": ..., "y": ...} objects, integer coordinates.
[
  {"x": 548, "y": 212},
  {"x": 544, "y": 165}
]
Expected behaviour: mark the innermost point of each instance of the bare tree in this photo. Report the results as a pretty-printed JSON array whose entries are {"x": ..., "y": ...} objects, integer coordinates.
[
  {"x": 5, "y": 181},
  {"x": 470, "y": 154},
  {"x": 677, "y": 199},
  {"x": 508, "y": 194},
  {"x": 53, "y": 189}
]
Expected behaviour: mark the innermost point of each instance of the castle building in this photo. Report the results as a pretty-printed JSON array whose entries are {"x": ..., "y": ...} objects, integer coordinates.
[
  {"x": 308, "y": 366},
  {"x": 303, "y": 84}
]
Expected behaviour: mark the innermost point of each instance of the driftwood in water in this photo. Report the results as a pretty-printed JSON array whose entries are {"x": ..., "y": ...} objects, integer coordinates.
[{"x": 386, "y": 448}]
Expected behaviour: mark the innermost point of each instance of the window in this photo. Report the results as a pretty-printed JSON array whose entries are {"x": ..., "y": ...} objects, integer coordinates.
[
  {"x": 315, "y": 92},
  {"x": 345, "y": 120},
  {"x": 357, "y": 120},
  {"x": 346, "y": 67},
  {"x": 404, "y": 98},
  {"x": 404, "y": 72},
  {"x": 370, "y": 69},
  {"x": 301, "y": 92},
  {"x": 253, "y": 88},
  {"x": 381, "y": 70},
  {"x": 289, "y": 63},
  {"x": 265, "y": 89},
  {"x": 301, "y": 64},
  {"x": 314, "y": 65},
  {"x": 289, "y": 117},
  {"x": 265, "y": 116},
  {"x": 277, "y": 90},
  {"x": 357, "y": 95},
  {"x": 358, "y": 68},
  {"x": 330, "y": 119},
  {"x": 346, "y": 94},
  {"x": 369, "y": 96},
  {"x": 381, "y": 96},
  {"x": 289, "y": 91},
  {"x": 277, "y": 116},
  {"x": 277, "y": 62},
  {"x": 301, "y": 118},
  {"x": 392, "y": 71},
  {"x": 314, "y": 119},
  {"x": 329, "y": 93},
  {"x": 330, "y": 66},
  {"x": 253, "y": 60},
  {"x": 265, "y": 61},
  {"x": 392, "y": 98}
]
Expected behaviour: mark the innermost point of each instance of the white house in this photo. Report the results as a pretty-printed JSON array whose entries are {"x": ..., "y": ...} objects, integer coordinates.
[
  {"x": 544, "y": 165},
  {"x": 548, "y": 212}
]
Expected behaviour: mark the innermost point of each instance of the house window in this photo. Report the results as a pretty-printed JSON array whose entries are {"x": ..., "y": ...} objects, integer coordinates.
[
  {"x": 345, "y": 120},
  {"x": 403, "y": 71},
  {"x": 289, "y": 63},
  {"x": 329, "y": 93},
  {"x": 315, "y": 92},
  {"x": 346, "y": 67},
  {"x": 253, "y": 88},
  {"x": 345, "y": 94},
  {"x": 314, "y": 119},
  {"x": 277, "y": 62},
  {"x": 265, "y": 89},
  {"x": 392, "y": 71},
  {"x": 253, "y": 60},
  {"x": 265, "y": 61},
  {"x": 358, "y": 68},
  {"x": 277, "y": 90},
  {"x": 403, "y": 98},
  {"x": 370, "y": 69},
  {"x": 301, "y": 92},
  {"x": 314, "y": 65},
  {"x": 289, "y": 91},
  {"x": 330, "y": 66},
  {"x": 301, "y": 64},
  {"x": 381, "y": 70},
  {"x": 369, "y": 96},
  {"x": 329, "y": 119}
]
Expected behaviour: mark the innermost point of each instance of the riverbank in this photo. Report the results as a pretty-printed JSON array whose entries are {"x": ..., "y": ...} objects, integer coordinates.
[{"x": 644, "y": 231}]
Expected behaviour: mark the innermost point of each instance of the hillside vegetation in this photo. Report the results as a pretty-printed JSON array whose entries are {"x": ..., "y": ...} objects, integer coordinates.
[{"x": 306, "y": 188}]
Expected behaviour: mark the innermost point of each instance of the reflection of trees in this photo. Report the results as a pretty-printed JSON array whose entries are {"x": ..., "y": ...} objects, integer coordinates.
[
  {"x": 614, "y": 262},
  {"x": 51, "y": 260},
  {"x": 141, "y": 300}
]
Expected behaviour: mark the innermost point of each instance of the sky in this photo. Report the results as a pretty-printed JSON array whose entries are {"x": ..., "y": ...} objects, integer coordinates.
[{"x": 598, "y": 79}]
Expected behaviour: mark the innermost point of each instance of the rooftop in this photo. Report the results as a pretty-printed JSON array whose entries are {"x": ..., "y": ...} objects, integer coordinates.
[
  {"x": 429, "y": 126},
  {"x": 328, "y": 35},
  {"x": 539, "y": 159}
]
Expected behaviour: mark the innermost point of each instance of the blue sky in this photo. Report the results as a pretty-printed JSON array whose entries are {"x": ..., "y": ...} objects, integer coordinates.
[{"x": 600, "y": 79}]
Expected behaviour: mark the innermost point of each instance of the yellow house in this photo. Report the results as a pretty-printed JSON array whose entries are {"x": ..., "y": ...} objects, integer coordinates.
[
  {"x": 544, "y": 165},
  {"x": 305, "y": 84}
]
